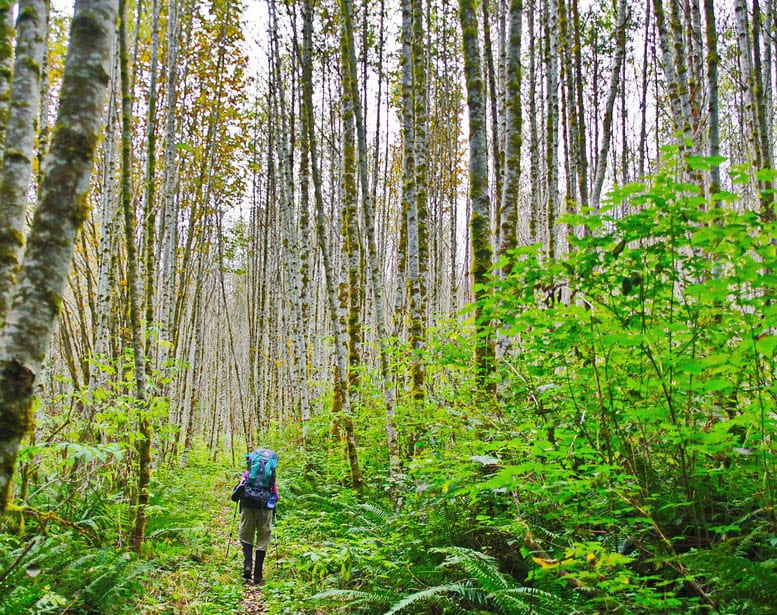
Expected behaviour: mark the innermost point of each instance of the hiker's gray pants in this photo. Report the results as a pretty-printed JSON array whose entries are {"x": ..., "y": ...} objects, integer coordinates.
[{"x": 256, "y": 527}]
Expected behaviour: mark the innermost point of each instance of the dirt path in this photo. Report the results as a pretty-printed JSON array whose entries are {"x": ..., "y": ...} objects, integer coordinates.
[{"x": 252, "y": 602}]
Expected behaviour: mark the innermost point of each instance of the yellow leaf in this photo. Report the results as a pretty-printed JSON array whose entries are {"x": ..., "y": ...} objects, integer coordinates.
[{"x": 545, "y": 563}]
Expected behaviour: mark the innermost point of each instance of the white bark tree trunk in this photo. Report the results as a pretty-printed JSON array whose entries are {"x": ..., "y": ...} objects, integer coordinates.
[
  {"x": 59, "y": 216},
  {"x": 169, "y": 226},
  {"x": 20, "y": 141},
  {"x": 6, "y": 66},
  {"x": 617, "y": 64}
]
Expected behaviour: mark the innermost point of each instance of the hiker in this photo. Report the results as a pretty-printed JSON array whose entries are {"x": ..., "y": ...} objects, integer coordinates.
[{"x": 257, "y": 493}]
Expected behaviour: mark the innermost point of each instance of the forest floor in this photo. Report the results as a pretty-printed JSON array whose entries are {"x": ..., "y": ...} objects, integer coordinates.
[{"x": 252, "y": 602}]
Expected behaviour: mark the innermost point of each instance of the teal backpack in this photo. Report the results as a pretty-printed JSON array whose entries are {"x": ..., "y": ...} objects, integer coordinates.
[{"x": 261, "y": 465}]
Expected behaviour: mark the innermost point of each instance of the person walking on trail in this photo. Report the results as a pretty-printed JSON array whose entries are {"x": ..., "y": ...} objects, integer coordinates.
[{"x": 257, "y": 493}]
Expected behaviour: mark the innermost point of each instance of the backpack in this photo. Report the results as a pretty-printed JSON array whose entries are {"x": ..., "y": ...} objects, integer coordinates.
[{"x": 261, "y": 478}]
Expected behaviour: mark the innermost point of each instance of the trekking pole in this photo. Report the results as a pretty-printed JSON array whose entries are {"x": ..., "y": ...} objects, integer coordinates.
[{"x": 231, "y": 533}]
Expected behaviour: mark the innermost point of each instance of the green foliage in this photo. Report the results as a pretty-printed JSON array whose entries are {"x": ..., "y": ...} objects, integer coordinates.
[
  {"x": 627, "y": 464},
  {"x": 47, "y": 574},
  {"x": 46, "y": 566},
  {"x": 738, "y": 583},
  {"x": 646, "y": 357}
]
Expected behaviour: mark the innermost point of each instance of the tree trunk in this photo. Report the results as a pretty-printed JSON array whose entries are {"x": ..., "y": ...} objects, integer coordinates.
[
  {"x": 20, "y": 141},
  {"x": 349, "y": 285},
  {"x": 497, "y": 154},
  {"x": 149, "y": 214},
  {"x": 620, "y": 52},
  {"x": 712, "y": 93},
  {"x": 582, "y": 161},
  {"x": 376, "y": 282},
  {"x": 684, "y": 76},
  {"x": 762, "y": 117},
  {"x": 534, "y": 143},
  {"x": 144, "y": 425},
  {"x": 169, "y": 226},
  {"x": 514, "y": 132},
  {"x": 550, "y": 54},
  {"x": 60, "y": 214},
  {"x": 479, "y": 224},
  {"x": 6, "y": 65},
  {"x": 418, "y": 249},
  {"x": 643, "y": 97},
  {"x": 107, "y": 257},
  {"x": 751, "y": 84},
  {"x": 305, "y": 229},
  {"x": 673, "y": 89}
]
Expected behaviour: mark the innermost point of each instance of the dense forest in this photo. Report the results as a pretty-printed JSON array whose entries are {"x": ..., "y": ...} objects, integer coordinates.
[{"x": 496, "y": 279}]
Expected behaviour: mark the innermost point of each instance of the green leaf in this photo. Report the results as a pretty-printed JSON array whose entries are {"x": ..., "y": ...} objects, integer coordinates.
[
  {"x": 766, "y": 175},
  {"x": 739, "y": 173},
  {"x": 767, "y": 345},
  {"x": 690, "y": 366},
  {"x": 698, "y": 163},
  {"x": 718, "y": 384}
]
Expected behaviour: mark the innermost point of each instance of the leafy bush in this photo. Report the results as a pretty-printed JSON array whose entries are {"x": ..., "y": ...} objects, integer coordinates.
[{"x": 627, "y": 463}]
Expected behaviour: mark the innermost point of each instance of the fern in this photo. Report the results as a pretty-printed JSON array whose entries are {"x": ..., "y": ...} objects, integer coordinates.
[
  {"x": 168, "y": 531},
  {"x": 356, "y": 598},
  {"x": 62, "y": 570},
  {"x": 735, "y": 580},
  {"x": 112, "y": 576},
  {"x": 374, "y": 520},
  {"x": 478, "y": 565},
  {"x": 485, "y": 586},
  {"x": 495, "y": 588},
  {"x": 428, "y": 595},
  {"x": 322, "y": 502}
]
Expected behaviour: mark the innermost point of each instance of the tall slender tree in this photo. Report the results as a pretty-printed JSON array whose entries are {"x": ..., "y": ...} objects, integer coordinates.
[
  {"x": 534, "y": 143},
  {"x": 20, "y": 141},
  {"x": 712, "y": 91},
  {"x": 615, "y": 76},
  {"x": 418, "y": 249},
  {"x": 514, "y": 132},
  {"x": 136, "y": 326},
  {"x": 351, "y": 119},
  {"x": 674, "y": 87},
  {"x": 348, "y": 51},
  {"x": 551, "y": 65},
  {"x": 169, "y": 223},
  {"x": 61, "y": 212},
  {"x": 150, "y": 183},
  {"x": 6, "y": 64},
  {"x": 479, "y": 222}
]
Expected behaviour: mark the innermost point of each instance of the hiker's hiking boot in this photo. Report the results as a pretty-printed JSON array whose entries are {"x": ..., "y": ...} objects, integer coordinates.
[
  {"x": 259, "y": 562},
  {"x": 248, "y": 551}
]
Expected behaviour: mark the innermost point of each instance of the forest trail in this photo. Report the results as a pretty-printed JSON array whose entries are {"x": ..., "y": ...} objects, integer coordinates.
[{"x": 253, "y": 601}]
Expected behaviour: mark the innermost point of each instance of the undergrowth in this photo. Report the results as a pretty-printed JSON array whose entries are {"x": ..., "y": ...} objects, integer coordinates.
[
  {"x": 622, "y": 463},
  {"x": 626, "y": 464},
  {"x": 183, "y": 567}
]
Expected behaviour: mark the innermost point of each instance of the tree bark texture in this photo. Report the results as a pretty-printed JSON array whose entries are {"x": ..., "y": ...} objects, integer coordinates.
[
  {"x": 514, "y": 132},
  {"x": 136, "y": 327},
  {"x": 6, "y": 66},
  {"x": 61, "y": 212},
  {"x": 20, "y": 141},
  {"x": 479, "y": 222}
]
